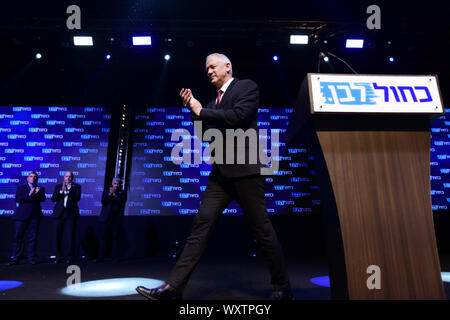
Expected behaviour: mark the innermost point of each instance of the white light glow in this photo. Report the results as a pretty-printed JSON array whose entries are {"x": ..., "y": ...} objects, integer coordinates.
[
  {"x": 82, "y": 41},
  {"x": 354, "y": 43},
  {"x": 299, "y": 39},
  {"x": 445, "y": 276},
  {"x": 109, "y": 287},
  {"x": 142, "y": 41}
]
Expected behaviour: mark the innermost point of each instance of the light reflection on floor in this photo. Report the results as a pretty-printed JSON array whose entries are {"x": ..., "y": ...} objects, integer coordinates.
[{"x": 109, "y": 287}]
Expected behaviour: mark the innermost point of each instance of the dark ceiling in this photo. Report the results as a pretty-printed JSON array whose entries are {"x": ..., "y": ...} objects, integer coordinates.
[{"x": 249, "y": 32}]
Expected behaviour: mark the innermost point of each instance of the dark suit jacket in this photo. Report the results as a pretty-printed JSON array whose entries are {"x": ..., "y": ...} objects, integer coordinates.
[
  {"x": 28, "y": 206},
  {"x": 112, "y": 205},
  {"x": 72, "y": 201},
  {"x": 238, "y": 109}
]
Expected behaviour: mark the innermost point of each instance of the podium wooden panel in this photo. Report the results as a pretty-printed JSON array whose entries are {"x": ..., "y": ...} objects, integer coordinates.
[
  {"x": 373, "y": 172},
  {"x": 381, "y": 183}
]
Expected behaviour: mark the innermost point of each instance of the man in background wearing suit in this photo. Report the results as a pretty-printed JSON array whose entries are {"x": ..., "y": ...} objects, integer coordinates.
[
  {"x": 236, "y": 107},
  {"x": 66, "y": 213},
  {"x": 27, "y": 216},
  {"x": 111, "y": 218}
]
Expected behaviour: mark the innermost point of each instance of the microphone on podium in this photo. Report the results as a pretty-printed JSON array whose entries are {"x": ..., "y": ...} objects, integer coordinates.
[{"x": 324, "y": 55}]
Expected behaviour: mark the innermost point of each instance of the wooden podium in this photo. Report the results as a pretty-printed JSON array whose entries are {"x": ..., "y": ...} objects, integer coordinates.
[{"x": 373, "y": 157}]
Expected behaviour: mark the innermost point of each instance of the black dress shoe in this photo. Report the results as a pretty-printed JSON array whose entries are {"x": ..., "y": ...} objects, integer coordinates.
[
  {"x": 163, "y": 292},
  {"x": 58, "y": 260},
  {"x": 13, "y": 262},
  {"x": 282, "y": 293}
]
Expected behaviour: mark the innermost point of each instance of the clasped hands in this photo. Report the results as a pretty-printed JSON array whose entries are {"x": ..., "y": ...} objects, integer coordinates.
[
  {"x": 34, "y": 190},
  {"x": 190, "y": 102},
  {"x": 113, "y": 191},
  {"x": 65, "y": 187}
]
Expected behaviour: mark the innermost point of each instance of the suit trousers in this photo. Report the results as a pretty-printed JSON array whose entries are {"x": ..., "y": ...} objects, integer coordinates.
[
  {"x": 250, "y": 194},
  {"x": 110, "y": 232},
  {"x": 21, "y": 226},
  {"x": 68, "y": 224}
]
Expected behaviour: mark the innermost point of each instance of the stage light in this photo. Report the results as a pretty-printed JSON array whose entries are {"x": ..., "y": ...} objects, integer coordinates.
[
  {"x": 109, "y": 287},
  {"x": 82, "y": 41},
  {"x": 38, "y": 56},
  {"x": 8, "y": 285},
  {"x": 167, "y": 57},
  {"x": 326, "y": 59},
  {"x": 108, "y": 56},
  {"x": 275, "y": 58},
  {"x": 354, "y": 43},
  {"x": 391, "y": 59},
  {"x": 323, "y": 281},
  {"x": 142, "y": 41},
  {"x": 299, "y": 39}
]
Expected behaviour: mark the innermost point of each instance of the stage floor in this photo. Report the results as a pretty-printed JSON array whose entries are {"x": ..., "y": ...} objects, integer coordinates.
[{"x": 213, "y": 279}]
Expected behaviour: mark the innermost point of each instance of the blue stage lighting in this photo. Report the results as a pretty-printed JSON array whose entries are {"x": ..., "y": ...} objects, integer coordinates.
[
  {"x": 391, "y": 59},
  {"x": 445, "y": 276},
  {"x": 326, "y": 59},
  {"x": 38, "y": 56},
  {"x": 142, "y": 41},
  {"x": 354, "y": 43},
  {"x": 108, "y": 56},
  {"x": 323, "y": 281},
  {"x": 275, "y": 58},
  {"x": 167, "y": 57},
  {"x": 109, "y": 287},
  {"x": 7, "y": 285}
]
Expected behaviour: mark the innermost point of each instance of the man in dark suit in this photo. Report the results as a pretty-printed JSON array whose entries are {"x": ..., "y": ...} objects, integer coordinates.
[
  {"x": 27, "y": 216},
  {"x": 66, "y": 213},
  {"x": 114, "y": 199},
  {"x": 236, "y": 107}
]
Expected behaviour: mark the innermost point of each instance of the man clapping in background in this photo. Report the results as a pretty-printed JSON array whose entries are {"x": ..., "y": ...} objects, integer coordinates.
[
  {"x": 66, "y": 212},
  {"x": 27, "y": 216},
  {"x": 111, "y": 216}
]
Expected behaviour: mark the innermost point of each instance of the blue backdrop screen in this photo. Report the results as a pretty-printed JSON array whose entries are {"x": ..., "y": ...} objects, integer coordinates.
[
  {"x": 51, "y": 140},
  {"x": 160, "y": 187},
  {"x": 440, "y": 162}
]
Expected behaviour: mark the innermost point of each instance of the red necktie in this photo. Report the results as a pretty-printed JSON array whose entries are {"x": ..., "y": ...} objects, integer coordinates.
[{"x": 219, "y": 95}]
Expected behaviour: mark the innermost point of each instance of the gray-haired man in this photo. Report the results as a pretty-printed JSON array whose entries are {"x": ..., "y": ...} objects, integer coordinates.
[{"x": 236, "y": 107}]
